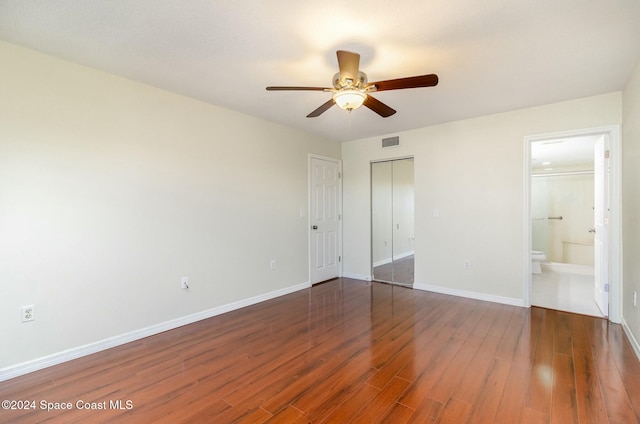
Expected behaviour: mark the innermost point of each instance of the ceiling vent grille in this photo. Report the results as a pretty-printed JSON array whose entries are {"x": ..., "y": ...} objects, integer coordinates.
[{"x": 390, "y": 142}]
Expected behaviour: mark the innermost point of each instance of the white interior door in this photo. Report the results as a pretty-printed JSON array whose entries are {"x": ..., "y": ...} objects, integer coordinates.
[
  {"x": 601, "y": 224},
  {"x": 324, "y": 219}
]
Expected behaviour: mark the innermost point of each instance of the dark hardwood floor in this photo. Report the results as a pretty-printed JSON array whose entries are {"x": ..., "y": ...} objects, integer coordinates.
[{"x": 351, "y": 351}]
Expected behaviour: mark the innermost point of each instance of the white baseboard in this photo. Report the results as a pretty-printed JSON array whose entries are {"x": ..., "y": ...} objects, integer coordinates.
[
  {"x": 357, "y": 276},
  {"x": 471, "y": 295},
  {"x": 80, "y": 351},
  {"x": 632, "y": 340}
]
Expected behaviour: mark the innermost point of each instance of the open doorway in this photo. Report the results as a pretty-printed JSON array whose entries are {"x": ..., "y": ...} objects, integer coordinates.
[
  {"x": 571, "y": 244},
  {"x": 562, "y": 224}
]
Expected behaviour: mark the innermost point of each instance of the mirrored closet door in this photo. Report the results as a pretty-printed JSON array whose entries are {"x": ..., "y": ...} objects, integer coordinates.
[{"x": 392, "y": 221}]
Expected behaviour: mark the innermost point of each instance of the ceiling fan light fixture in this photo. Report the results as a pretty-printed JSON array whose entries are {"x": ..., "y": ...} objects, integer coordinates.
[{"x": 349, "y": 99}]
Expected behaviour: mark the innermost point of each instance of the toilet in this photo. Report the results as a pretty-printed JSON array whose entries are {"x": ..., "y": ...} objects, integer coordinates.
[{"x": 537, "y": 257}]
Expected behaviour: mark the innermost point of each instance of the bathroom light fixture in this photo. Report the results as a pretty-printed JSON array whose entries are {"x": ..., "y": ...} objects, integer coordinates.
[{"x": 349, "y": 99}]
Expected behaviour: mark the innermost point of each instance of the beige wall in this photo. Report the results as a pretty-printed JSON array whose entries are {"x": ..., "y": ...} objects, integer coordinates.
[
  {"x": 111, "y": 191},
  {"x": 631, "y": 203},
  {"x": 472, "y": 173}
]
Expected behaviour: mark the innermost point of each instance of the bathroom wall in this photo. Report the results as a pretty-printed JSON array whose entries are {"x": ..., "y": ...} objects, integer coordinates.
[
  {"x": 539, "y": 214},
  {"x": 567, "y": 240}
]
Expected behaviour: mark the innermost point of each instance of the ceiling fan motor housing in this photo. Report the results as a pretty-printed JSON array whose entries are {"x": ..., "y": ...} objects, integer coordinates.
[{"x": 349, "y": 83}]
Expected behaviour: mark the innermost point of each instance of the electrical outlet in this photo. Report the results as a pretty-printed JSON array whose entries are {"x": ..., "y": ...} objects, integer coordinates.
[
  {"x": 28, "y": 313},
  {"x": 184, "y": 282},
  {"x": 272, "y": 264},
  {"x": 466, "y": 264}
]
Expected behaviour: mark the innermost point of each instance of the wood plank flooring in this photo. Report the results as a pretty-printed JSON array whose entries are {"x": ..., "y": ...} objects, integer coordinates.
[{"x": 351, "y": 351}]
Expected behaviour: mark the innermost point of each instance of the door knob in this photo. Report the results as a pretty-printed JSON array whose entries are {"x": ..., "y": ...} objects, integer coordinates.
[{"x": 315, "y": 227}]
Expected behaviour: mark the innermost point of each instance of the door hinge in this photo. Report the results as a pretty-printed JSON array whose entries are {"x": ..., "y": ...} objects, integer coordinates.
[
  {"x": 606, "y": 154},
  {"x": 606, "y": 288},
  {"x": 339, "y": 258},
  {"x": 339, "y": 217}
]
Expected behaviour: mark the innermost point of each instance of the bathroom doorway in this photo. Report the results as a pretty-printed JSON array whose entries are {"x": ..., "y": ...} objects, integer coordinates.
[
  {"x": 570, "y": 233},
  {"x": 392, "y": 221}
]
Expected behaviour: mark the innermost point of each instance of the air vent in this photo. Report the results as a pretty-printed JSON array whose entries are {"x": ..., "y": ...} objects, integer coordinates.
[{"x": 391, "y": 141}]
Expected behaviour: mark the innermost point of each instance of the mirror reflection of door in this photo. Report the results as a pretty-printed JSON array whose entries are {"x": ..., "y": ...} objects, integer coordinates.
[{"x": 392, "y": 221}]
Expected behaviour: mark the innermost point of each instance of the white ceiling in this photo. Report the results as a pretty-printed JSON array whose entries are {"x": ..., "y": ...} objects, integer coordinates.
[
  {"x": 491, "y": 56},
  {"x": 557, "y": 155}
]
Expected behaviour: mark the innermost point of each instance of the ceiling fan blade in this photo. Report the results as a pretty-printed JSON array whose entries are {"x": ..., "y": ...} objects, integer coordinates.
[
  {"x": 378, "y": 107},
  {"x": 322, "y": 109},
  {"x": 285, "y": 88},
  {"x": 409, "y": 82},
  {"x": 349, "y": 64}
]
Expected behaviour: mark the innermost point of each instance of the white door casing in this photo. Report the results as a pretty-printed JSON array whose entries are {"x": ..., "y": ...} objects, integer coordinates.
[
  {"x": 601, "y": 221},
  {"x": 324, "y": 219},
  {"x": 614, "y": 240}
]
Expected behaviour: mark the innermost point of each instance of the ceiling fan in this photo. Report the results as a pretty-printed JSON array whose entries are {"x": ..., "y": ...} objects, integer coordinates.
[{"x": 351, "y": 89}]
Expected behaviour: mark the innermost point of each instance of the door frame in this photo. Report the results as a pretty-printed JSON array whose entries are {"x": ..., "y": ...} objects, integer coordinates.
[
  {"x": 312, "y": 156},
  {"x": 601, "y": 221},
  {"x": 615, "y": 205}
]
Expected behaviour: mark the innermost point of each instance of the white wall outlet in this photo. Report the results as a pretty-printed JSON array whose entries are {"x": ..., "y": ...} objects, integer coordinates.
[
  {"x": 436, "y": 213},
  {"x": 635, "y": 298},
  {"x": 272, "y": 264},
  {"x": 466, "y": 264},
  {"x": 184, "y": 282},
  {"x": 28, "y": 313}
]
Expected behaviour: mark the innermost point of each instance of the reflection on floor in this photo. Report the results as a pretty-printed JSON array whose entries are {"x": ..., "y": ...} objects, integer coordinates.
[
  {"x": 564, "y": 291},
  {"x": 400, "y": 271}
]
